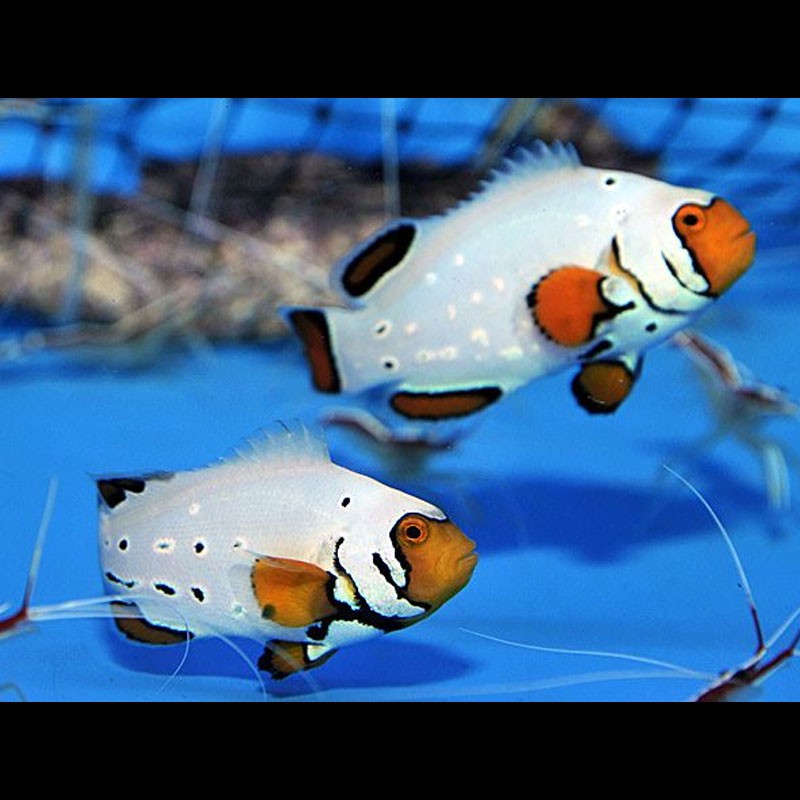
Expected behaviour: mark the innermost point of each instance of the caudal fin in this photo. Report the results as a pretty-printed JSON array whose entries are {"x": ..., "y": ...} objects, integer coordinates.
[{"x": 311, "y": 325}]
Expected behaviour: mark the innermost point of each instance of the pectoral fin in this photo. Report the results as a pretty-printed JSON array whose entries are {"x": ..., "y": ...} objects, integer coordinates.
[
  {"x": 281, "y": 659},
  {"x": 601, "y": 386},
  {"x": 292, "y": 593}
]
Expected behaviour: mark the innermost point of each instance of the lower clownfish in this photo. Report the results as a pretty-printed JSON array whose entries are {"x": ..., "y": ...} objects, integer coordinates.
[
  {"x": 551, "y": 265},
  {"x": 277, "y": 544}
]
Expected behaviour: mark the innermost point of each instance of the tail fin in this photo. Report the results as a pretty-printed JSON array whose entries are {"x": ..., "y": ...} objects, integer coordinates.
[{"x": 311, "y": 325}]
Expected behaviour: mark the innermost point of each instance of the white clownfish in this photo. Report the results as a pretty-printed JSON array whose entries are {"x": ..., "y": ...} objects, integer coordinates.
[
  {"x": 277, "y": 544},
  {"x": 551, "y": 264}
]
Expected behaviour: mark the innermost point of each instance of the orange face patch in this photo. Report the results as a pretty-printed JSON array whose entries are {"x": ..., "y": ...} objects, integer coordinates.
[
  {"x": 719, "y": 239},
  {"x": 440, "y": 558},
  {"x": 567, "y": 305}
]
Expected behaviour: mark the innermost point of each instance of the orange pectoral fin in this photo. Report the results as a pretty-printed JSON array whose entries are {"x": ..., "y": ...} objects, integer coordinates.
[
  {"x": 291, "y": 593},
  {"x": 600, "y": 387},
  {"x": 567, "y": 305}
]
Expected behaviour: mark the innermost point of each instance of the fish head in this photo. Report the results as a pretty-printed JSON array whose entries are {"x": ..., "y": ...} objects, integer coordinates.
[
  {"x": 439, "y": 558},
  {"x": 681, "y": 247},
  {"x": 719, "y": 239}
]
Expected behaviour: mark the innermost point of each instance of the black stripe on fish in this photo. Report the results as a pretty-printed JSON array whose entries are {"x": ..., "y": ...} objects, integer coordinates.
[
  {"x": 380, "y": 255},
  {"x": 640, "y": 286},
  {"x": 597, "y": 349},
  {"x": 112, "y": 578},
  {"x": 363, "y": 613}
]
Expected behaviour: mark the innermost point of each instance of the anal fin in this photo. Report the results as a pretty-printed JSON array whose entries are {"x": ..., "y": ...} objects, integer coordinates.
[
  {"x": 444, "y": 405},
  {"x": 131, "y": 622}
]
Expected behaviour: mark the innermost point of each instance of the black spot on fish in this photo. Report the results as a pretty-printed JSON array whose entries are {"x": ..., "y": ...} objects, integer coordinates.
[
  {"x": 345, "y": 502},
  {"x": 268, "y": 611},
  {"x": 116, "y": 579},
  {"x": 164, "y": 588},
  {"x": 199, "y": 594},
  {"x": 651, "y": 327},
  {"x": 199, "y": 547},
  {"x": 123, "y": 544}
]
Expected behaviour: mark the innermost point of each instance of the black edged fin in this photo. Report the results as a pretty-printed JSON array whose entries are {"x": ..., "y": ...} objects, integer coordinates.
[
  {"x": 281, "y": 659},
  {"x": 444, "y": 405},
  {"x": 114, "y": 491},
  {"x": 311, "y": 326},
  {"x": 131, "y": 622},
  {"x": 369, "y": 263},
  {"x": 602, "y": 386}
]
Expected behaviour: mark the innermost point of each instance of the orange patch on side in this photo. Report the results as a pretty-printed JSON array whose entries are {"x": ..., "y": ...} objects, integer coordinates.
[
  {"x": 720, "y": 240},
  {"x": 139, "y": 629},
  {"x": 444, "y": 405},
  {"x": 567, "y": 305},
  {"x": 291, "y": 593},
  {"x": 312, "y": 328},
  {"x": 602, "y": 386}
]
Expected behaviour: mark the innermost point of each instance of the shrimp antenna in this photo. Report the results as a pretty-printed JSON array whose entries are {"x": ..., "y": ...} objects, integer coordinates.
[
  {"x": 44, "y": 525},
  {"x": 10, "y": 622},
  {"x": 743, "y": 582}
]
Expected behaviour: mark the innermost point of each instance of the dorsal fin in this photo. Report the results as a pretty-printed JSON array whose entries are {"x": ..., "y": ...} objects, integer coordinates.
[
  {"x": 526, "y": 164},
  {"x": 284, "y": 443}
]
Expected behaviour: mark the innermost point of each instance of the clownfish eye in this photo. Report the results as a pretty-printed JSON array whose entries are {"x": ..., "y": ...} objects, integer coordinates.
[
  {"x": 690, "y": 218},
  {"x": 413, "y": 530}
]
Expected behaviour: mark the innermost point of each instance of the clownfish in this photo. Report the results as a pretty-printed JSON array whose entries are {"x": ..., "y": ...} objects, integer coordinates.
[
  {"x": 277, "y": 544},
  {"x": 551, "y": 264}
]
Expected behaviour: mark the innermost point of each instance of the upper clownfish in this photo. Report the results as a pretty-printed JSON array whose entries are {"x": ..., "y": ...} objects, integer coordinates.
[
  {"x": 277, "y": 544},
  {"x": 551, "y": 264}
]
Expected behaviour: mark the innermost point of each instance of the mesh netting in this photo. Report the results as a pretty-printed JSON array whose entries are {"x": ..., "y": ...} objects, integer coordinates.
[{"x": 285, "y": 186}]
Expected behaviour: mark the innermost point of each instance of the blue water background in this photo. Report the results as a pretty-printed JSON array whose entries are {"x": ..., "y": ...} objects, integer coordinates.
[{"x": 585, "y": 542}]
